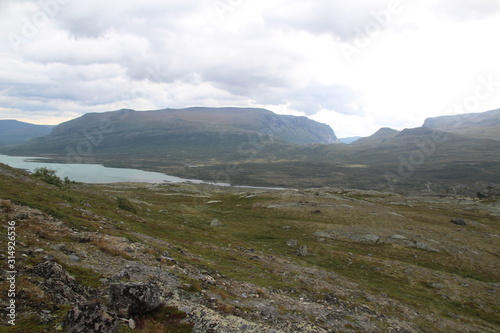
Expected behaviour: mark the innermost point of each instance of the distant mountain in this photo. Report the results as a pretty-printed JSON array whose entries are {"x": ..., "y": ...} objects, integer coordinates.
[
  {"x": 349, "y": 140},
  {"x": 484, "y": 119},
  {"x": 259, "y": 148},
  {"x": 484, "y": 125},
  {"x": 216, "y": 133},
  {"x": 13, "y": 131},
  {"x": 380, "y": 136}
]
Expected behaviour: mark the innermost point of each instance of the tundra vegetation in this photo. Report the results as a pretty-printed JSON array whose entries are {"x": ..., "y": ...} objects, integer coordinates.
[{"x": 307, "y": 260}]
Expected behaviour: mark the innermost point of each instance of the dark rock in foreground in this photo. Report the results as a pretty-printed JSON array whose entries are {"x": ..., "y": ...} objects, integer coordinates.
[
  {"x": 91, "y": 318},
  {"x": 458, "y": 221},
  {"x": 133, "y": 298}
]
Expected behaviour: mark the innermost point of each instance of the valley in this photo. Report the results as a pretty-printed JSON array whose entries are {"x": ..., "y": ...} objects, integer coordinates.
[{"x": 255, "y": 147}]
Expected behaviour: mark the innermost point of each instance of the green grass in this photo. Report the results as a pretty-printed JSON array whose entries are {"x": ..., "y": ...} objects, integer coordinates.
[
  {"x": 84, "y": 276},
  {"x": 248, "y": 225}
]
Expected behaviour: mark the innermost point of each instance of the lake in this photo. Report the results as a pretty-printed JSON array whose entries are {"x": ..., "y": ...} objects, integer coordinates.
[{"x": 95, "y": 173}]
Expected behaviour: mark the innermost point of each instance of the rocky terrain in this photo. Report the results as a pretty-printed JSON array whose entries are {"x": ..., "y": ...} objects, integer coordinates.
[{"x": 200, "y": 258}]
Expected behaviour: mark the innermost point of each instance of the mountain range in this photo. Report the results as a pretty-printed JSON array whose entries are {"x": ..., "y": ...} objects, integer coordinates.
[{"x": 257, "y": 147}]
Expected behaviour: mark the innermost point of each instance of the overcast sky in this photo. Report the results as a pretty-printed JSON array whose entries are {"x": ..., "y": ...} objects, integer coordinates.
[{"x": 355, "y": 65}]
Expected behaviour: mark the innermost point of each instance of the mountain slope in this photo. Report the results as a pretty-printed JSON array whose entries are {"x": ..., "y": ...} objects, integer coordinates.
[
  {"x": 222, "y": 133},
  {"x": 484, "y": 125},
  {"x": 349, "y": 140},
  {"x": 13, "y": 131},
  {"x": 483, "y": 119},
  {"x": 296, "y": 130},
  {"x": 378, "y": 137}
]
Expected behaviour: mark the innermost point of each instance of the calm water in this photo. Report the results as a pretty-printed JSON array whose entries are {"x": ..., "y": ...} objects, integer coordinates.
[{"x": 94, "y": 173}]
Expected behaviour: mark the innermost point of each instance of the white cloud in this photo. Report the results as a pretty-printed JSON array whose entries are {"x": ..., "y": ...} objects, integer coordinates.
[{"x": 468, "y": 9}]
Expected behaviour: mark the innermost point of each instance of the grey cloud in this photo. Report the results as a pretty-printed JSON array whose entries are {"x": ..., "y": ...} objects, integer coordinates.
[
  {"x": 313, "y": 98},
  {"x": 325, "y": 17},
  {"x": 94, "y": 18}
]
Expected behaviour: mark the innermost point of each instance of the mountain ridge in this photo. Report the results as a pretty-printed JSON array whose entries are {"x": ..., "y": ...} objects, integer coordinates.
[
  {"x": 291, "y": 129},
  {"x": 484, "y": 125},
  {"x": 244, "y": 150}
]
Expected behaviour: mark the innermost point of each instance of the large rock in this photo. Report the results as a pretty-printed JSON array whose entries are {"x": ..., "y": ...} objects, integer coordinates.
[
  {"x": 61, "y": 286},
  {"x": 91, "y": 318},
  {"x": 134, "y": 298}
]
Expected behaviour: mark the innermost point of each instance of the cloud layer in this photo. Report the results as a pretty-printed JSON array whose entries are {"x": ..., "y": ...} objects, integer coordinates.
[{"x": 377, "y": 63}]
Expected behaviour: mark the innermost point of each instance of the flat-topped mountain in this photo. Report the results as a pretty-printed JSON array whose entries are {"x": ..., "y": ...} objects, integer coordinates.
[
  {"x": 194, "y": 135},
  {"x": 485, "y": 125},
  {"x": 218, "y": 121},
  {"x": 483, "y": 119}
]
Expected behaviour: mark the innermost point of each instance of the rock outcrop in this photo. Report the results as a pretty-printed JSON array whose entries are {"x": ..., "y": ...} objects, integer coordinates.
[
  {"x": 91, "y": 318},
  {"x": 134, "y": 298}
]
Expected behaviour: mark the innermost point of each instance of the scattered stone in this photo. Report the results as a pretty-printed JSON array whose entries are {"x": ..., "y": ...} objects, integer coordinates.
[
  {"x": 123, "y": 275},
  {"x": 215, "y": 223},
  {"x": 129, "y": 249},
  {"x": 371, "y": 238},
  {"x": 395, "y": 214},
  {"x": 436, "y": 285},
  {"x": 91, "y": 318},
  {"x": 324, "y": 234},
  {"x": 292, "y": 243},
  {"x": 22, "y": 216},
  {"x": 214, "y": 202},
  {"x": 302, "y": 251},
  {"x": 424, "y": 246},
  {"x": 458, "y": 221},
  {"x": 131, "y": 324},
  {"x": 165, "y": 260},
  {"x": 134, "y": 298},
  {"x": 38, "y": 251},
  {"x": 82, "y": 237},
  {"x": 62, "y": 248},
  {"x": 74, "y": 258},
  {"x": 316, "y": 211},
  {"x": 396, "y": 236},
  {"x": 49, "y": 258}
]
